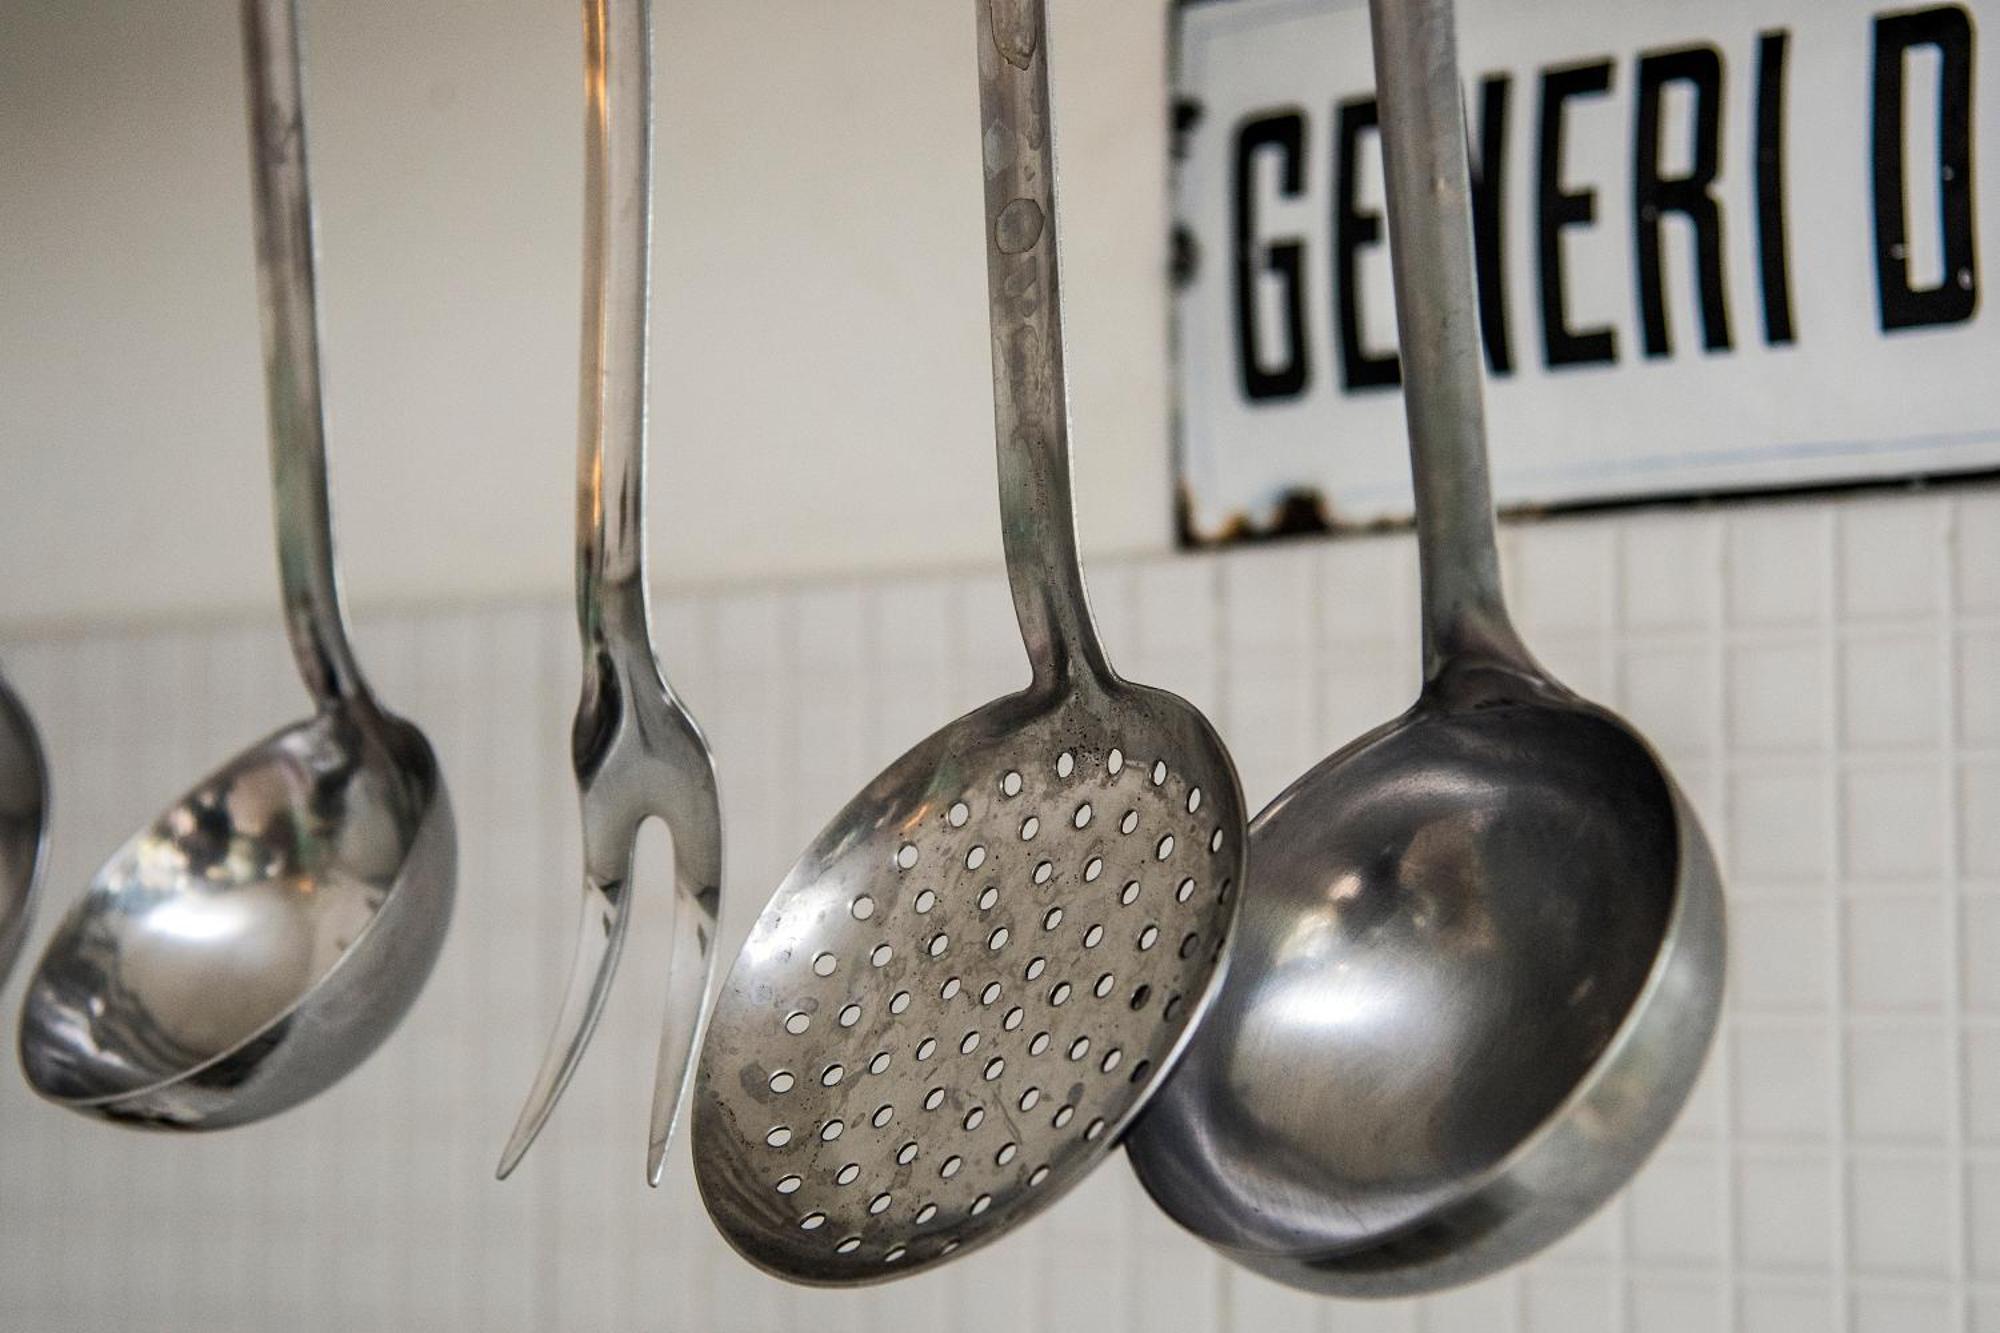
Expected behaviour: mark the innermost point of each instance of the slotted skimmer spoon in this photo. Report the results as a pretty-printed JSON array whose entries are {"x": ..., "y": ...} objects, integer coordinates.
[
  {"x": 975, "y": 976},
  {"x": 24, "y": 822},
  {"x": 1481, "y": 949},
  {"x": 269, "y": 931},
  {"x": 637, "y": 753}
]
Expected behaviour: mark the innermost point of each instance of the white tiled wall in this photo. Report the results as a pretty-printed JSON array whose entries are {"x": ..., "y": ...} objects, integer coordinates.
[{"x": 1825, "y": 678}]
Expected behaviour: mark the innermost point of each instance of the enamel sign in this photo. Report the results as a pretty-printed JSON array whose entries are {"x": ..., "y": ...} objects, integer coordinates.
[{"x": 1722, "y": 246}]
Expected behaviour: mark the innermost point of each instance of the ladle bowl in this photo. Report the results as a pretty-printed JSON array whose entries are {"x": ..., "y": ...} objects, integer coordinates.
[
  {"x": 258, "y": 940},
  {"x": 24, "y": 814},
  {"x": 1435, "y": 1018}
]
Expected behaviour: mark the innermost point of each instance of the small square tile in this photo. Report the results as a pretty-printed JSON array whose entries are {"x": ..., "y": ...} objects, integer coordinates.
[
  {"x": 1764, "y": 1308},
  {"x": 1562, "y": 577},
  {"x": 1889, "y": 690},
  {"x": 1671, "y": 569},
  {"x": 1979, "y": 688},
  {"x": 1677, "y": 1208},
  {"x": 1979, "y": 948},
  {"x": 1779, "y": 826},
  {"x": 1982, "y": 1086},
  {"x": 1897, "y": 1216},
  {"x": 1777, "y": 697},
  {"x": 1367, "y": 590},
  {"x": 1890, "y": 557},
  {"x": 1559, "y": 1302},
  {"x": 1676, "y": 1305},
  {"x": 1896, "y": 954},
  {"x": 1783, "y": 1081},
  {"x": 1977, "y": 529},
  {"x": 1900, "y": 1311},
  {"x": 1982, "y": 1183},
  {"x": 1979, "y": 819},
  {"x": 1898, "y": 1084},
  {"x": 1780, "y": 956},
  {"x": 1779, "y": 564},
  {"x": 1268, "y": 599},
  {"x": 1479, "y": 1308},
  {"x": 1670, "y": 694},
  {"x": 1784, "y": 1211},
  {"x": 1893, "y": 822}
]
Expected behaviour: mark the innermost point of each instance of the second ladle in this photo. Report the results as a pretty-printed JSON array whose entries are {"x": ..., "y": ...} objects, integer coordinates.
[
  {"x": 1481, "y": 948},
  {"x": 265, "y": 934}
]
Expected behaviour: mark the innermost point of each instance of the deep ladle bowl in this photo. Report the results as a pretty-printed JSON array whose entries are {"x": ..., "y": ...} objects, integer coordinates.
[
  {"x": 266, "y": 933},
  {"x": 24, "y": 817},
  {"x": 1480, "y": 952}
]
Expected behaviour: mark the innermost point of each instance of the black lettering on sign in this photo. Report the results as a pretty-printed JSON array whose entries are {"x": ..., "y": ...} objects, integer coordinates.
[
  {"x": 1773, "y": 249},
  {"x": 1559, "y": 209},
  {"x": 1353, "y": 232},
  {"x": 1489, "y": 220},
  {"x": 1691, "y": 195},
  {"x": 1948, "y": 29},
  {"x": 1263, "y": 378}
]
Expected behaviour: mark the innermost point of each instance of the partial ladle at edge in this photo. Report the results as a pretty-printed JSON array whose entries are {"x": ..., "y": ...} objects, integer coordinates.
[
  {"x": 1481, "y": 948},
  {"x": 268, "y": 932}
]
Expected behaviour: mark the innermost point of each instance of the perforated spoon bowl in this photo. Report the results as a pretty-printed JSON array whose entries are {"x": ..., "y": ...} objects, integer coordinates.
[
  {"x": 1481, "y": 951},
  {"x": 977, "y": 973},
  {"x": 267, "y": 932},
  {"x": 637, "y": 752},
  {"x": 24, "y": 820}
]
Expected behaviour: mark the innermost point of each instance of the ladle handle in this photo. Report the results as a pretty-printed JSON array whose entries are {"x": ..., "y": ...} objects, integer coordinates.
[
  {"x": 286, "y": 260},
  {"x": 1024, "y": 296},
  {"x": 1430, "y": 247},
  {"x": 617, "y": 287}
]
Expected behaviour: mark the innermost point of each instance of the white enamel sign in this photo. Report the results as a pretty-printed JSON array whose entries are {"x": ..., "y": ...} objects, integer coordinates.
[{"x": 1723, "y": 245}]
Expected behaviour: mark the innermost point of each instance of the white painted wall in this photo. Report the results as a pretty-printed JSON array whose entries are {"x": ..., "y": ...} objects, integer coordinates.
[{"x": 822, "y": 400}]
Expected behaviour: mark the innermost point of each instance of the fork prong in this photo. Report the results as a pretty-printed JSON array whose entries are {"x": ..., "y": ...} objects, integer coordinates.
[
  {"x": 696, "y": 828},
  {"x": 607, "y": 912}
]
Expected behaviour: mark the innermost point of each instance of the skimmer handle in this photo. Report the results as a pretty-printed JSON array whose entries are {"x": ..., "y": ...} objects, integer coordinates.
[{"x": 1030, "y": 397}]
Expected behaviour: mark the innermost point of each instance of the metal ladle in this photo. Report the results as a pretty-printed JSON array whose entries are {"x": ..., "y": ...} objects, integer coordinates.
[
  {"x": 637, "y": 753},
  {"x": 24, "y": 819},
  {"x": 1481, "y": 948},
  {"x": 262, "y": 937}
]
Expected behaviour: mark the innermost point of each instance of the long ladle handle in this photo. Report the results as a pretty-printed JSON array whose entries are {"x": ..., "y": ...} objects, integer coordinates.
[
  {"x": 1430, "y": 247},
  {"x": 286, "y": 260},
  {"x": 1024, "y": 296},
  {"x": 617, "y": 287}
]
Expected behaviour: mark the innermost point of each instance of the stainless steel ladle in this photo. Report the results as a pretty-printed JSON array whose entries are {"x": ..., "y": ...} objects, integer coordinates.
[
  {"x": 1481, "y": 948},
  {"x": 262, "y": 937},
  {"x": 637, "y": 752},
  {"x": 24, "y": 819}
]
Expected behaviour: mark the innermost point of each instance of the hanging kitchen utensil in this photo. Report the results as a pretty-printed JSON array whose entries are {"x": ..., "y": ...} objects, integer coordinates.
[
  {"x": 268, "y": 932},
  {"x": 637, "y": 753},
  {"x": 1481, "y": 951},
  {"x": 979, "y": 971},
  {"x": 24, "y": 822}
]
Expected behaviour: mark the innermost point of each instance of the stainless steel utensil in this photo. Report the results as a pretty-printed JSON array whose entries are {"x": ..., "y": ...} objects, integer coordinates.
[
  {"x": 1481, "y": 952},
  {"x": 636, "y": 751},
  {"x": 977, "y": 973},
  {"x": 24, "y": 820},
  {"x": 268, "y": 932}
]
